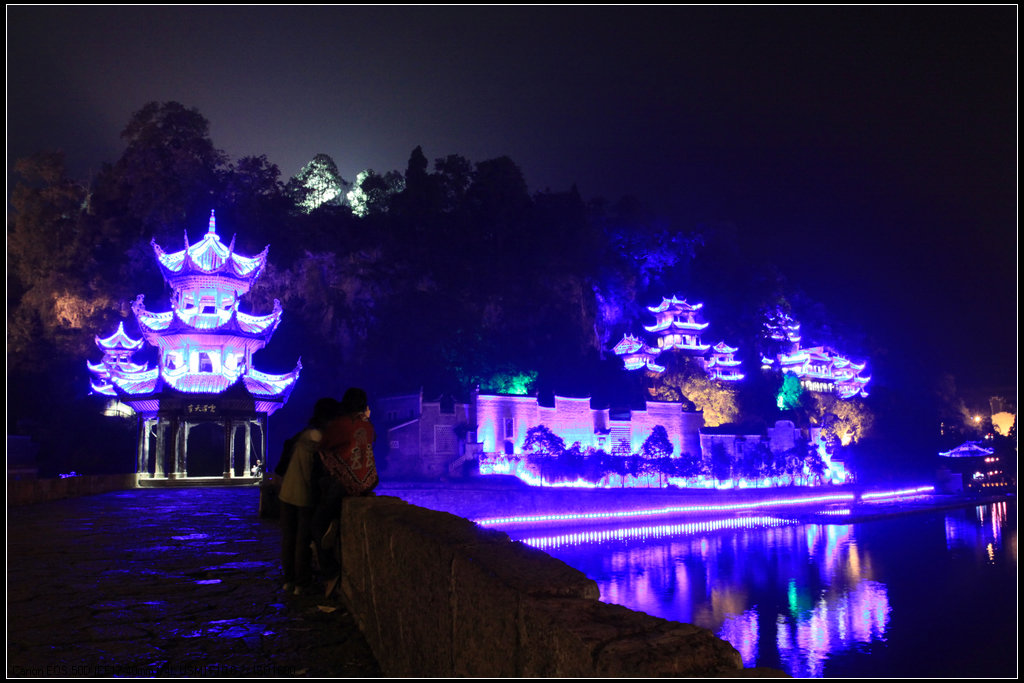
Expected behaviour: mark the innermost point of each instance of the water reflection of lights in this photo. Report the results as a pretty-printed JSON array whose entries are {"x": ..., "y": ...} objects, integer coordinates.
[
  {"x": 983, "y": 533},
  {"x": 670, "y": 510},
  {"x": 901, "y": 493},
  {"x": 805, "y": 640},
  {"x": 741, "y": 630},
  {"x": 652, "y": 532},
  {"x": 710, "y": 573}
]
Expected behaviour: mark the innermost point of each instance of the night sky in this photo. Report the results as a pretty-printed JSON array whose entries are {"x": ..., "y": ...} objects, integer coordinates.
[{"x": 869, "y": 151}]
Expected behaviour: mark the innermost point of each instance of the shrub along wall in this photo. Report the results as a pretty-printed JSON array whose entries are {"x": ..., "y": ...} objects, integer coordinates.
[{"x": 436, "y": 595}]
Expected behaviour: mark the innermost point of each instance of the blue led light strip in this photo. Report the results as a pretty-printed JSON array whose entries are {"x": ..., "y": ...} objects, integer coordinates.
[{"x": 625, "y": 514}]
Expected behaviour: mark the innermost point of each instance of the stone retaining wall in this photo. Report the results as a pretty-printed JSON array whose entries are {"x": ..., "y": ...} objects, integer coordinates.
[
  {"x": 26, "y": 491},
  {"x": 436, "y": 595}
]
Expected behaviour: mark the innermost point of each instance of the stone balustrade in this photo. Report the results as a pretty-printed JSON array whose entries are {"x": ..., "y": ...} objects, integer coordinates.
[{"x": 436, "y": 595}]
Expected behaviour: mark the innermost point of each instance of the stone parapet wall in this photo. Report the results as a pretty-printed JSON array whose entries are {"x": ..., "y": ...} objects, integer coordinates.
[
  {"x": 436, "y": 595},
  {"x": 27, "y": 491}
]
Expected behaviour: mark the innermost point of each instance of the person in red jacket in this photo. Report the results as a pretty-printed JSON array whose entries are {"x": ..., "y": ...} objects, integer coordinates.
[{"x": 346, "y": 451}]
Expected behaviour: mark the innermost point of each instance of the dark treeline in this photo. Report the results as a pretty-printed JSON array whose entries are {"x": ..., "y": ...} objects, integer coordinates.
[{"x": 444, "y": 275}]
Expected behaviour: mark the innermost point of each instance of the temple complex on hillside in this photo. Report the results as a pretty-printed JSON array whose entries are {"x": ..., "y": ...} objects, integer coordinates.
[
  {"x": 823, "y": 370},
  {"x": 204, "y": 395},
  {"x": 677, "y": 327},
  {"x": 819, "y": 368}
]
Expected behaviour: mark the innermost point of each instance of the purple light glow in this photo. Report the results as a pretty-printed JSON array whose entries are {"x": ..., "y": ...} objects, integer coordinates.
[
  {"x": 670, "y": 510},
  {"x": 676, "y": 328},
  {"x": 653, "y": 531},
  {"x": 901, "y": 493},
  {"x": 205, "y": 342}
]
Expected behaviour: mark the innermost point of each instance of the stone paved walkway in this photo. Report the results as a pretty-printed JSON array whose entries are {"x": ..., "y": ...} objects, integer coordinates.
[{"x": 158, "y": 582}]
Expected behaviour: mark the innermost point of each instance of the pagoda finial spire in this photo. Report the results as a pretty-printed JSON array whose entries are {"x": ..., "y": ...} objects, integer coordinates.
[{"x": 213, "y": 222}]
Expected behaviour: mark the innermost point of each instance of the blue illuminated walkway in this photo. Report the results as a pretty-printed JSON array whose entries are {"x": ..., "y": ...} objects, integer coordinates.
[{"x": 159, "y": 582}]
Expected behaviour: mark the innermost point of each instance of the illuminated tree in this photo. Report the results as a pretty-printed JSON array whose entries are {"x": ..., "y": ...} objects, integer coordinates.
[
  {"x": 510, "y": 381},
  {"x": 318, "y": 183},
  {"x": 45, "y": 231},
  {"x": 657, "y": 444},
  {"x": 789, "y": 394},
  {"x": 541, "y": 439},
  {"x": 684, "y": 378},
  {"x": 846, "y": 420},
  {"x": 372, "y": 192}
]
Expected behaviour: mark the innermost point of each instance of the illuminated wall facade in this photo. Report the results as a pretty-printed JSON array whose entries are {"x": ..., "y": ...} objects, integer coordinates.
[{"x": 502, "y": 423}]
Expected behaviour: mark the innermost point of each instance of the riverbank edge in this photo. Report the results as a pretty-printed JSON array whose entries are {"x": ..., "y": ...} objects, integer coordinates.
[{"x": 494, "y": 503}]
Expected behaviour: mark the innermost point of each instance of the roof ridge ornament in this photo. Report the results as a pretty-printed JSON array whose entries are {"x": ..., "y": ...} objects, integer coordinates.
[{"x": 213, "y": 224}]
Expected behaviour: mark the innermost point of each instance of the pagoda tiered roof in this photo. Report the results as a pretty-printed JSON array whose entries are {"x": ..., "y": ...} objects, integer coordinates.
[
  {"x": 166, "y": 328},
  {"x": 636, "y": 354},
  {"x": 117, "y": 365},
  {"x": 674, "y": 303},
  {"x": 204, "y": 341},
  {"x": 209, "y": 257},
  {"x": 822, "y": 364},
  {"x": 119, "y": 341},
  {"x": 781, "y": 327},
  {"x": 722, "y": 365}
]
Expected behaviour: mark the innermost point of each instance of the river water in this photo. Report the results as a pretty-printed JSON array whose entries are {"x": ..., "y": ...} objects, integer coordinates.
[{"x": 930, "y": 594}]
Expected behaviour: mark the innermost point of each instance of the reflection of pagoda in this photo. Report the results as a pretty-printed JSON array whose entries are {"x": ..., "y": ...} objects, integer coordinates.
[
  {"x": 204, "y": 380},
  {"x": 677, "y": 327}
]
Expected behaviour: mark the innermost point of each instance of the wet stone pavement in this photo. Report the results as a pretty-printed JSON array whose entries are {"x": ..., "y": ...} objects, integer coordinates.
[{"x": 165, "y": 582}]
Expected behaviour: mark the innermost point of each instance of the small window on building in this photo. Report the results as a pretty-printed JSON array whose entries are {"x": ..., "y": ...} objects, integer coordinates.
[
  {"x": 445, "y": 440},
  {"x": 510, "y": 428}
]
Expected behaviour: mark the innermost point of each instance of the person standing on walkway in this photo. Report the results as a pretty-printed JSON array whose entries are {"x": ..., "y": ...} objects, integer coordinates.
[
  {"x": 350, "y": 470},
  {"x": 298, "y": 498}
]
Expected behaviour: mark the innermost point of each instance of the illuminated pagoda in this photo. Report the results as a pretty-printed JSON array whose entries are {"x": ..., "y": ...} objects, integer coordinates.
[
  {"x": 782, "y": 333},
  {"x": 819, "y": 368},
  {"x": 723, "y": 365},
  {"x": 823, "y": 370},
  {"x": 118, "y": 350},
  {"x": 676, "y": 325},
  {"x": 677, "y": 328},
  {"x": 204, "y": 380},
  {"x": 635, "y": 354}
]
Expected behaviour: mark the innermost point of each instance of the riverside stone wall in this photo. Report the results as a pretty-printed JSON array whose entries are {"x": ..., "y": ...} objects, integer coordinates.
[
  {"x": 27, "y": 491},
  {"x": 436, "y": 595}
]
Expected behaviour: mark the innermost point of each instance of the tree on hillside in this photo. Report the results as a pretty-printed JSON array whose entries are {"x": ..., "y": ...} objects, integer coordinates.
[
  {"x": 372, "y": 193},
  {"x": 170, "y": 172},
  {"x": 318, "y": 183},
  {"x": 684, "y": 379}
]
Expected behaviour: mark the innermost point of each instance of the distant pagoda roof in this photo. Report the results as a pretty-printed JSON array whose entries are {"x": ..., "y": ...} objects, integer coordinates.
[
  {"x": 635, "y": 354},
  {"x": 968, "y": 449},
  {"x": 674, "y": 303},
  {"x": 209, "y": 257},
  {"x": 722, "y": 347},
  {"x": 119, "y": 341}
]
